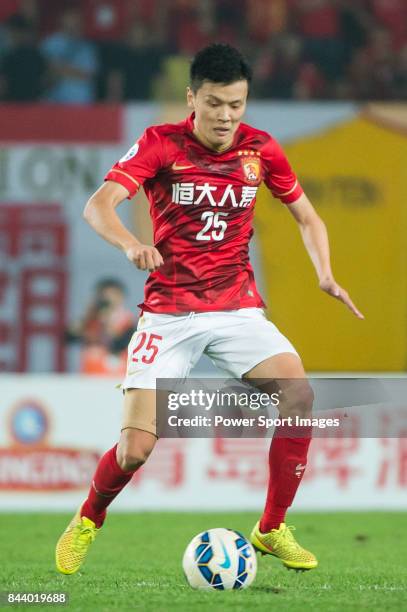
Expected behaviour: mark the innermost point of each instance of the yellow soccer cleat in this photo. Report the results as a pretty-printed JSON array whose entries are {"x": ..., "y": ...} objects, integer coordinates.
[
  {"x": 74, "y": 543},
  {"x": 282, "y": 544}
]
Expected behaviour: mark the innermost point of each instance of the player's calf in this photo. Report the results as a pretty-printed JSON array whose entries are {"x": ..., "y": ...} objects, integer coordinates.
[{"x": 115, "y": 469}]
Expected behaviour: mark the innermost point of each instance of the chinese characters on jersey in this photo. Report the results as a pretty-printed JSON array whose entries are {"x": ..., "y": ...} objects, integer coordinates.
[{"x": 190, "y": 193}]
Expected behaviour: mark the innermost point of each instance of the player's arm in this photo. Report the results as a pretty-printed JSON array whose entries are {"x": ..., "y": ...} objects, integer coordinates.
[
  {"x": 315, "y": 238},
  {"x": 100, "y": 213}
]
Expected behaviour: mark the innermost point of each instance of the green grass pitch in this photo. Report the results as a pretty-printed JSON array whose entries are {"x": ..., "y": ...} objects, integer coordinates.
[{"x": 135, "y": 563}]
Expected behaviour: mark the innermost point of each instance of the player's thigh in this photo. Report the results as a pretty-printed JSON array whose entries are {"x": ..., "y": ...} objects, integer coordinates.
[
  {"x": 243, "y": 339},
  {"x": 284, "y": 374},
  {"x": 282, "y": 365},
  {"x": 138, "y": 431}
]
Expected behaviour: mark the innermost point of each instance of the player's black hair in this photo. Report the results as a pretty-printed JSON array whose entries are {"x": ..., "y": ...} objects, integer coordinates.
[{"x": 219, "y": 63}]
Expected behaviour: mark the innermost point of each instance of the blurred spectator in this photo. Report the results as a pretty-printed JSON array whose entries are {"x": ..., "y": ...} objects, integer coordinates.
[
  {"x": 319, "y": 23},
  {"x": 30, "y": 10},
  {"x": 355, "y": 25},
  {"x": 105, "y": 20},
  {"x": 8, "y": 8},
  {"x": 187, "y": 27},
  {"x": 276, "y": 70},
  {"x": 105, "y": 330},
  {"x": 266, "y": 19},
  {"x": 134, "y": 66},
  {"x": 383, "y": 65},
  {"x": 50, "y": 14},
  {"x": 229, "y": 11},
  {"x": 105, "y": 24},
  {"x": 227, "y": 23},
  {"x": 318, "y": 19},
  {"x": 372, "y": 73},
  {"x": 281, "y": 73},
  {"x": 392, "y": 14},
  {"x": 22, "y": 66},
  {"x": 73, "y": 62},
  {"x": 401, "y": 75},
  {"x": 310, "y": 83}
]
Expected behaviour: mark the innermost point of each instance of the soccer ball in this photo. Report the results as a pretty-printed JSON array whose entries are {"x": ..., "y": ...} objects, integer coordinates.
[{"x": 219, "y": 559}]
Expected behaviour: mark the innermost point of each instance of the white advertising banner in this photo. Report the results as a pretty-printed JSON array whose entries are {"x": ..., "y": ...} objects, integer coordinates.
[{"x": 53, "y": 428}]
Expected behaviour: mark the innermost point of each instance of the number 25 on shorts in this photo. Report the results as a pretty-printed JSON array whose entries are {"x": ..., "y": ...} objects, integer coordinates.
[{"x": 148, "y": 350}]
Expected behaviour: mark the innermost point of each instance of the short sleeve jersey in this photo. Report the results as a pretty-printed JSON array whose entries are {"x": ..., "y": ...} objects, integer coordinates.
[{"x": 201, "y": 205}]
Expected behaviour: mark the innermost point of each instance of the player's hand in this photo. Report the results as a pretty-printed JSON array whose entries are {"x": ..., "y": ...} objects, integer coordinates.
[
  {"x": 331, "y": 287},
  {"x": 145, "y": 257}
]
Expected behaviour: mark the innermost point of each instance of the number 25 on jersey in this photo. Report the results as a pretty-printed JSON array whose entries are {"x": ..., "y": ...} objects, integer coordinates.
[{"x": 215, "y": 226}]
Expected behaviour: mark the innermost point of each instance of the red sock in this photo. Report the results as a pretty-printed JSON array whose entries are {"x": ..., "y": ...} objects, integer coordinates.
[
  {"x": 287, "y": 461},
  {"x": 108, "y": 480}
]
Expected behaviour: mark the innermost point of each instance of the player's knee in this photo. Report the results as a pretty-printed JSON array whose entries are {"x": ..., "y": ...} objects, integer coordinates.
[
  {"x": 299, "y": 402},
  {"x": 132, "y": 454},
  {"x": 131, "y": 459}
]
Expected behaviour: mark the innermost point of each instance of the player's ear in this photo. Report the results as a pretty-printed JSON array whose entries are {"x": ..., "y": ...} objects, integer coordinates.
[{"x": 190, "y": 98}]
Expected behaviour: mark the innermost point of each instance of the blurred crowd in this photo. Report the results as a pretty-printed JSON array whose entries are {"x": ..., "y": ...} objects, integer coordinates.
[
  {"x": 104, "y": 331},
  {"x": 80, "y": 51}
]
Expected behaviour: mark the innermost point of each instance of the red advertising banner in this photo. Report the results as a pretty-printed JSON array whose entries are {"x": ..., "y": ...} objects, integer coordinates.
[{"x": 33, "y": 283}]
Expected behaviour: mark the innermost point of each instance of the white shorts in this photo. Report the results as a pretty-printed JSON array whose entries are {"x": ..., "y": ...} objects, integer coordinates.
[{"x": 168, "y": 346}]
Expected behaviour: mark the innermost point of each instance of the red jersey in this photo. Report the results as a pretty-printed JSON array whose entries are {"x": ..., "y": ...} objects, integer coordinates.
[{"x": 201, "y": 205}]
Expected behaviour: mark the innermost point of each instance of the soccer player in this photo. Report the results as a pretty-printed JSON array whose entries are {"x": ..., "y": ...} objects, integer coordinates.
[{"x": 201, "y": 177}]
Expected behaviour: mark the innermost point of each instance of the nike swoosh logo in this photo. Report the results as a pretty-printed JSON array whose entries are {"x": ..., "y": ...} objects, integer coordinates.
[
  {"x": 175, "y": 167},
  {"x": 226, "y": 564}
]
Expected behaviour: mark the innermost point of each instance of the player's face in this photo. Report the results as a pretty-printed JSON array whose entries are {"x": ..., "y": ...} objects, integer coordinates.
[{"x": 218, "y": 111}]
